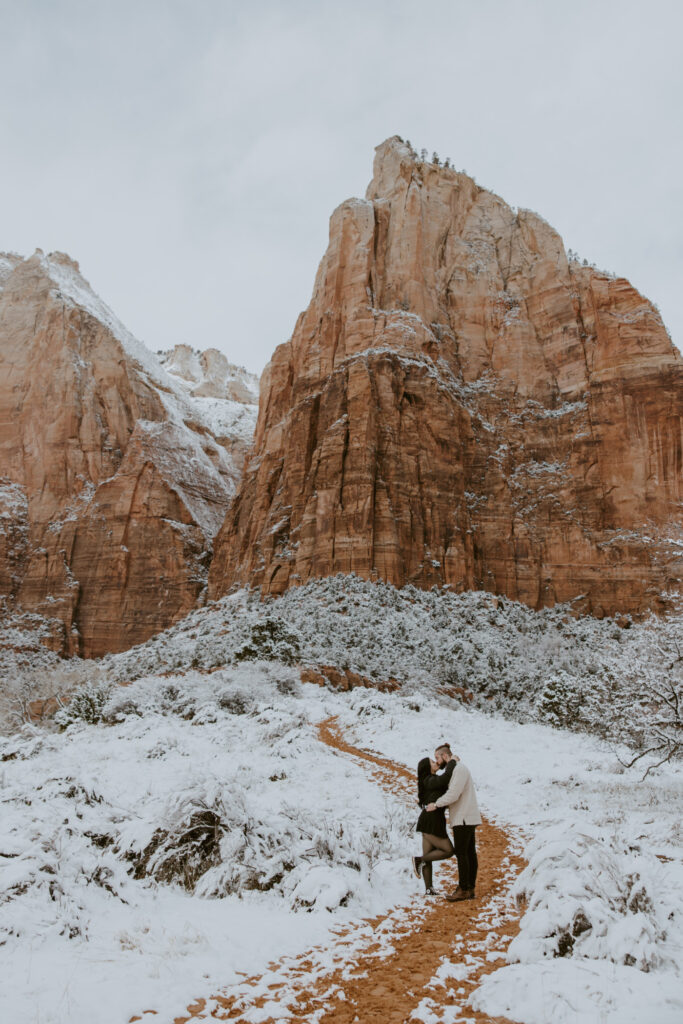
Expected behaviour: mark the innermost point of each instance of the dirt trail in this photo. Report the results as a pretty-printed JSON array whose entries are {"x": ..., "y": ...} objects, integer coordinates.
[{"x": 383, "y": 970}]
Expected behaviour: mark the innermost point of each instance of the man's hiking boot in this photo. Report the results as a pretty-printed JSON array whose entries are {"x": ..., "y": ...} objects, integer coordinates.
[
  {"x": 417, "y": 866},
  {"x": 460, "y": 894},
  {"x": 430, "y": 892}
]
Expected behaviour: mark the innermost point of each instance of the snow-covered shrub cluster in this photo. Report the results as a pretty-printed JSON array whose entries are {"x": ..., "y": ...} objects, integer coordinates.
[
  {"x": 85, "y": 704},
  {"x": 588, "y": 895},
  {"x": 623, "y": 682},
  {"x": 214, "y": 783},
  {"x": 29, "y": 671}
]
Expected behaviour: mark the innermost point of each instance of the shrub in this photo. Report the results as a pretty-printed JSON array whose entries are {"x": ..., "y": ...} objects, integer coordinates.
[
  {"x": 183, "y": 854},
  {"x": 86, "y": 705},
  {"x": 586, "y": 897},
  {"x": 270, "y": 640},
  {"x": 235, "y": 703},
  {"x": 560, "y": 702},
  {"x": 173, "y": 699}
]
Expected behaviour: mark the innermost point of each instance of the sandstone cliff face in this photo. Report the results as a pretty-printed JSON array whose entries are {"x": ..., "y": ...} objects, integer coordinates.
[
  {"x": 113, "y": 479},
  {"x": 462, "y": 405}
]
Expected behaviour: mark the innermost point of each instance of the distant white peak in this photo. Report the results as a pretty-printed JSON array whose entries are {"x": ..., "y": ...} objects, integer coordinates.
[{"x": 209, "y": 374}]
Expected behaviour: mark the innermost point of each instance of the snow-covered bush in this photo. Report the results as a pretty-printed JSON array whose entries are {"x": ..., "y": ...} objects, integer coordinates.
[
  {"x": 648, "y": 707},
  {"x": 560, "y": 701},
  {"x": 185, "y": 850},
  {"x": 33, "y": 678},
  {"x": 579, "y": 673},
  {"x": 586, "y": 896},
  {"x": 85, "y": 705},
  {"x": 270, "y": 640}
]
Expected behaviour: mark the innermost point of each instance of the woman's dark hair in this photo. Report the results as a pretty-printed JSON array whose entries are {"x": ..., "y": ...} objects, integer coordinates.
[{"x": 424, "y": 770}]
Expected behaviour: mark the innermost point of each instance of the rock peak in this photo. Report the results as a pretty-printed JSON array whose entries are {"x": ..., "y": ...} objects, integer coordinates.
[
  {"x": 393, "y": 163},
  {"x": 114, "y": 477},
  {"x": 396, "y": 164},
  {"x": 463, "y": 406},
  {"x": 64, "y": 260},
  {"x": 210, "y": 374}
]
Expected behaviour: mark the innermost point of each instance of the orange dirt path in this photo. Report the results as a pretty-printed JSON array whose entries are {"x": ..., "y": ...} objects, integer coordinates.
[{"x": 380, "y": 971}]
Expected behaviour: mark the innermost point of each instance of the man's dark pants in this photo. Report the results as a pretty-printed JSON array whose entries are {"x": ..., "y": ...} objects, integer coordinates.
[{"x": 466, "y": 853}]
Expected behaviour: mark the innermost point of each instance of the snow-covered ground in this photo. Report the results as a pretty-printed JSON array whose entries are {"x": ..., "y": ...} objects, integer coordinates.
[
  {"x": 197, "y": 829},
  {"x": 288, "y": 839},
  {"x": 605, "y": 873}
]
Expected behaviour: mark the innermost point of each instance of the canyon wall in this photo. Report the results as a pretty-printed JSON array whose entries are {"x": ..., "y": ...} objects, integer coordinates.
[
  {"x": 114, "y": 476},
  {"x": 462, "y": 405}
]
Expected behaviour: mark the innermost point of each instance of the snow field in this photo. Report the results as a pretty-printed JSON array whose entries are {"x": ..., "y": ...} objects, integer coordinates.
[
  {"x": 197, "y": 829},
  {"x": 598, "y": 900},
  {"x": 303, "y": 842}
]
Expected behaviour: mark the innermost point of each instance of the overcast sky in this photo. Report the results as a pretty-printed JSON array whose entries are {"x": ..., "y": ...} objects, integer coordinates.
[{"x": 189, "y": 154}]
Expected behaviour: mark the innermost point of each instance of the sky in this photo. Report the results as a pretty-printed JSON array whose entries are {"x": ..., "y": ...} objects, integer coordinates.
[{"x": 189, "y": 154}]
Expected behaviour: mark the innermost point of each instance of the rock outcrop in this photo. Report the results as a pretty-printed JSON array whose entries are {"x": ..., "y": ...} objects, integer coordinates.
[
  {"x": 345, "y": 679},
  {"x": 463, "y": 405},
  {"x": 208, "y": 374},
  {"x": 114, "y": 478}
]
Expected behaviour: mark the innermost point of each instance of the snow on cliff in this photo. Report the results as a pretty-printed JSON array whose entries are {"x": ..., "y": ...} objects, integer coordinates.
[{"x": 219, "y": 415}]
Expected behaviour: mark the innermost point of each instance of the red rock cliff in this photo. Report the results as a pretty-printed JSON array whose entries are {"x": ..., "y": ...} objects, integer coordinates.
[
  {"x": 113, "y": 478},
  {"x": 462, "y": 405}
]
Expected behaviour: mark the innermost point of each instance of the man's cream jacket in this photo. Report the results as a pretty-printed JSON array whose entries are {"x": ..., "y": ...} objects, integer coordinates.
[{"x": 460, "y": 798}]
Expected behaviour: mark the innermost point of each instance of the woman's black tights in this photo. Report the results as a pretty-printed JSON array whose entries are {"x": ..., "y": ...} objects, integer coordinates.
[{"x": 434, "y": 848}]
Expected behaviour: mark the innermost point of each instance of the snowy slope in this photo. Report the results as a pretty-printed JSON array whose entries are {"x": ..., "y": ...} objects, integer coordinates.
[
  {"x": 189, "y": 825},
  {"x": 582, "y": 673},
  {"x": 82, "y": 940},
  {"x": 307, "y": 841},
  {"x": 604, "y": 851}
]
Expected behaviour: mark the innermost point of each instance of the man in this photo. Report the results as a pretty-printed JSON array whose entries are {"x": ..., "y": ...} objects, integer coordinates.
[{"x": 463, "y": 815}]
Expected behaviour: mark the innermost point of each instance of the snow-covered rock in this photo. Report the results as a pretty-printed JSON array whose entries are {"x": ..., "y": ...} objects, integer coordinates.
[
  {"x": 209, "y": 374},
  {"x": 116, "y": 476}
]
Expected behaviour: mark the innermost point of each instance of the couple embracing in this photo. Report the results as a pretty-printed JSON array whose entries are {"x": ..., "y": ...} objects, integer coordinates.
[{"x": 445, "y": 782}]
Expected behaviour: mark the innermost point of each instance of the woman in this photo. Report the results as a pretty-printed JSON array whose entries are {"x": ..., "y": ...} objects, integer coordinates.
[{"x": 432, "y": 824}]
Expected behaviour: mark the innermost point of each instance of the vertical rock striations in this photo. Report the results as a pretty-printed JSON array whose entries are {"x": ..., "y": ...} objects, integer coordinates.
[
  {"x": 113, "y": 478},
  {"x": 462, "y": 405}
]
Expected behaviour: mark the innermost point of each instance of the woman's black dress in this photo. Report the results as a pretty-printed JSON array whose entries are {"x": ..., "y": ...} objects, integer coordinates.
[{"x": 434, "y": 786}]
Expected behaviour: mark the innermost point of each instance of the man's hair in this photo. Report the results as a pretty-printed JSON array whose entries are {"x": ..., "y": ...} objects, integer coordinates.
[{"x": 444, "y": 746}]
